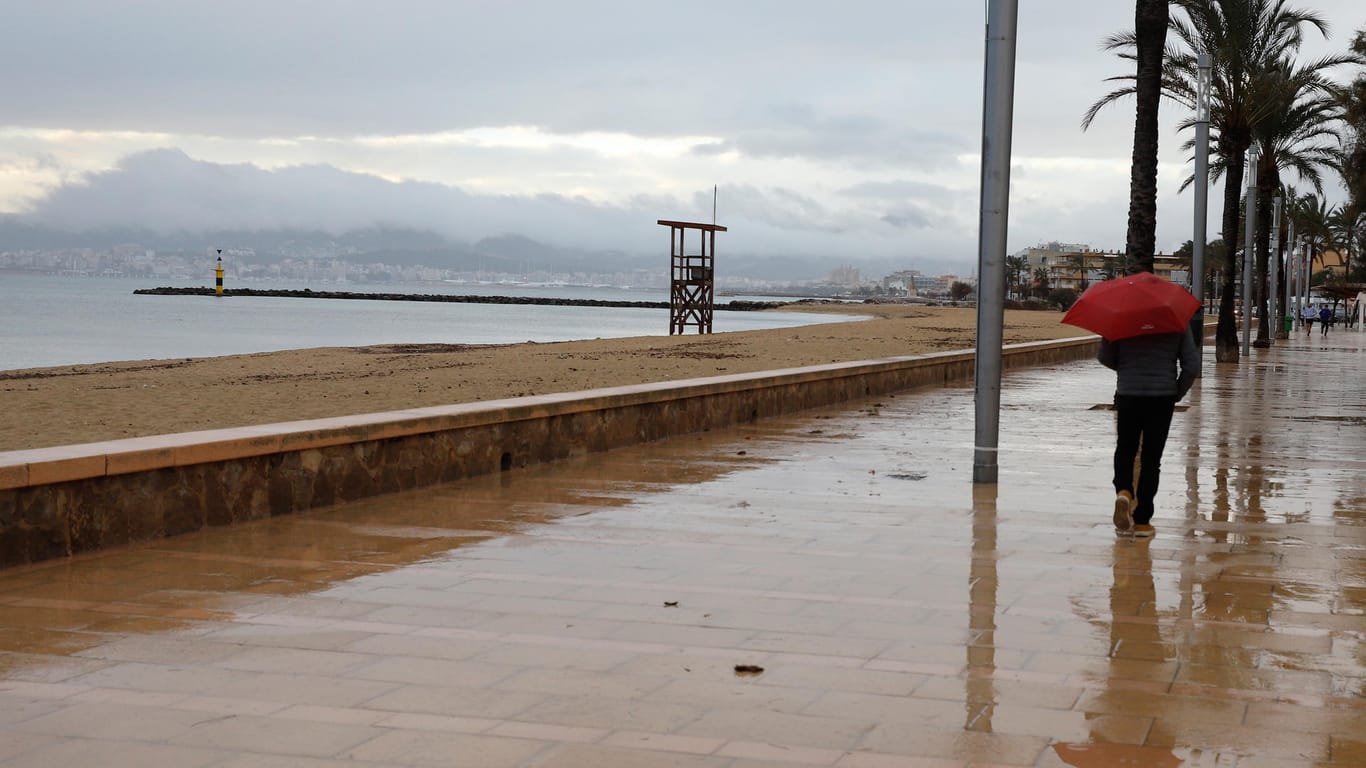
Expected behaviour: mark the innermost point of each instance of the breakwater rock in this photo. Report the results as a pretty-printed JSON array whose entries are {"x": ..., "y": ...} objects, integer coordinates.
[{"x": 307, "y": 293}]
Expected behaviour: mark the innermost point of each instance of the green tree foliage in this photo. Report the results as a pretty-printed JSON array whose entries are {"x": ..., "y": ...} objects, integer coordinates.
[
  {"x": 1298, "y": 132},
  {"x": 1040, "y": 285},
  {"x": 1017, "y": 273},
  {"x": 1353, "y": 98},
  {"x": 1246, "y": 38},
  {"x": 1062, "y": 298}
]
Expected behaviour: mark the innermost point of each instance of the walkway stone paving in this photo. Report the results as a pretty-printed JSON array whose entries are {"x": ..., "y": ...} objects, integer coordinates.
[{"x": 601, "y": 612}]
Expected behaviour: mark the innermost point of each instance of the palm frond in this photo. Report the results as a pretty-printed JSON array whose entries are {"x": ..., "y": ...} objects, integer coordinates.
[{"x": 1104, "y": 101}]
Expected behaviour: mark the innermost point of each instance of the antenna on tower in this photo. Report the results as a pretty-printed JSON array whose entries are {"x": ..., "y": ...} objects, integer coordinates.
[{"x": 713, "y": 205}]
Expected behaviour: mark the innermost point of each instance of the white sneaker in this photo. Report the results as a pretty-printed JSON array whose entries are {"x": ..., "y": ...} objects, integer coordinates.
[{"x": 1124, "y": 513}]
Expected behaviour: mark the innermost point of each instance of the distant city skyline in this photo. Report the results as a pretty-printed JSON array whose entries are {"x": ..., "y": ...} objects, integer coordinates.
[
  {"x": 851, "y": 136},
  {"x": 310, "y": 265}
]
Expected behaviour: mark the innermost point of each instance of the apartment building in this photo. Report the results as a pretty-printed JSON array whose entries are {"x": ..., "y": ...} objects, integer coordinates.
[{"x": 1077, "y": 265}]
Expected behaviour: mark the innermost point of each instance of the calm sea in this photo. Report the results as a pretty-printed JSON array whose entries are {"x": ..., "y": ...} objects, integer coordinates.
[{"x": 52, "y": 320}]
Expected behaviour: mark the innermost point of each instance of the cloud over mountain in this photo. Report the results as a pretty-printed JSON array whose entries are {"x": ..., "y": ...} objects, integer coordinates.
[{"x": 165, "y": 190}]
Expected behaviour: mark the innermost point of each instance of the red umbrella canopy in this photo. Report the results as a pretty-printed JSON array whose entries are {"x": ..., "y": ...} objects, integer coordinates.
[{"x": 1133, "y": 305}]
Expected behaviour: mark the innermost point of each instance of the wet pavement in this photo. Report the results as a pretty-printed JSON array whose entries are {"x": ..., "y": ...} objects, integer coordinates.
[{"x": 882, "y": 611}]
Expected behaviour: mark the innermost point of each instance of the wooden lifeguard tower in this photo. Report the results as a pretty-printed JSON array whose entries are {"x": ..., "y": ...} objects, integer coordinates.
[{"x": 692, "y": 295}]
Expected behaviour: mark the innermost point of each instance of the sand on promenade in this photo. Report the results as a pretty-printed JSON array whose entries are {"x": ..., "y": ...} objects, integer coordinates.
[{"x": 44, "y": 407}]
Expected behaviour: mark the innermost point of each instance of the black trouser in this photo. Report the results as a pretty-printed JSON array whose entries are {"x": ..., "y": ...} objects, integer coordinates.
[{"x": 1146, "y": 420}]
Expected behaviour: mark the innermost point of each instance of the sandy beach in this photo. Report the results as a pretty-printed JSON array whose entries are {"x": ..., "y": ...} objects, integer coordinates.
[{"x": 45, "y": 407}]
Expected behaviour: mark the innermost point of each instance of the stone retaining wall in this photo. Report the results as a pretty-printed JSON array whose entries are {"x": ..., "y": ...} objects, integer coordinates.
[{"x": 62, "y": 501}]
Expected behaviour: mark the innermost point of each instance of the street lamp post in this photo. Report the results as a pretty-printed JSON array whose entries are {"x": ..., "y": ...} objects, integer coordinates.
[
  {"x": 1293, "y": 258},
  {"x": 1291, "y": 276},
  {"x": 1306, "y": 267},
  {"x": 1205, "y": 65},
  {"x": 1253, "y": 157},
  {"x": 998, "y": 107},
  {"x": 1273, "y": 288}
]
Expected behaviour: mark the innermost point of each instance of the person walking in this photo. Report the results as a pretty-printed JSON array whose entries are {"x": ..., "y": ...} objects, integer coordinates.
[
  {"x": 1325, "y": 320},
  {"x": 1148, "y": 386},
  {"x": 1308, "y": 316}
]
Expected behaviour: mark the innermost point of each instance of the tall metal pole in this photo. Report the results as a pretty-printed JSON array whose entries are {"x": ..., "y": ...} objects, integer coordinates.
[
  {"x": 1292, "y": 277},
  {"x": 1309, "y": 269},
  {"x": 998, "y": 105},
  {"x": 1306, "y": 267},
  {"x": 1253, "y": 157},
  {"x": 1303, "y": 291},
  {"x": 1205, "y": 65},
  {"x": 1294, "y": 259},
  {"x": 1302, "y": 264},
  {"x": 1273, "y": 288}
]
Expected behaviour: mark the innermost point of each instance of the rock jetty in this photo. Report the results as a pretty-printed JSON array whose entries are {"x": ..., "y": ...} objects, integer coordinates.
[{"x": 308, "y": 293}]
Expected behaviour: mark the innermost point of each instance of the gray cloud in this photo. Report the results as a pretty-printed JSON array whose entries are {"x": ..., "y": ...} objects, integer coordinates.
[
  {"x": 909, "y": 217},
  {"x": 780, "y": 208},
  {"x": 899, "y": 189},
  {"x": 343, "y": 67},
  {"x": 346, "y": 67},
  {"x": 798, "y": 131},
  {"x": 811, "y": 97},
  {"x": 167, "y": 191}
]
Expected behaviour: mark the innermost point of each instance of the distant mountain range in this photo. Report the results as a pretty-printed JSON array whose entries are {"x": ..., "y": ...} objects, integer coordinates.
[
  {"x": 404, "y": 247},
  {"x": 166, "y": 201}
]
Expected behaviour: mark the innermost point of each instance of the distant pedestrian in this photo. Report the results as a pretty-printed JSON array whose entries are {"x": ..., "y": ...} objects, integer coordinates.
[
  {"x": 1325, "y": 319},
  {"x": 1146, "y": 391},
  {"x": 1308, "y": 316}
]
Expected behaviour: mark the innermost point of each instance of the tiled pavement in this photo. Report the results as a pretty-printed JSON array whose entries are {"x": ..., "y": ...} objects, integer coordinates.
[{"x": 593, "y": 613}]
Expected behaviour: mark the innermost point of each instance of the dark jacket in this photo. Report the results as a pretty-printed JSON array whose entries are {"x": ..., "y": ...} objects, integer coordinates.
[{"x": 1147, "y": 365}]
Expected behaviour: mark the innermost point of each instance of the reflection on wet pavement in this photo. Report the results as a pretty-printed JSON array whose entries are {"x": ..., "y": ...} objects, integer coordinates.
[{"x": 594, "y": 613}]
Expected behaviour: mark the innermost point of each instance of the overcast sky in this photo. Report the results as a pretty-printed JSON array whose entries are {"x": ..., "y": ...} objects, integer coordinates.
[{"x": 847, "y": 129}]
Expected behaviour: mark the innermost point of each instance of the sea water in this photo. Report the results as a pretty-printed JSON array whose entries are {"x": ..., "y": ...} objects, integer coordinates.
[{"x": 48, "y": 320}]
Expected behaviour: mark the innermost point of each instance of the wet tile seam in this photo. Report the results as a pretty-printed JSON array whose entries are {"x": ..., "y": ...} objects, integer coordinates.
[
  {"x": 515, "y": 727},
  {"x": 1070, "y": 679}
]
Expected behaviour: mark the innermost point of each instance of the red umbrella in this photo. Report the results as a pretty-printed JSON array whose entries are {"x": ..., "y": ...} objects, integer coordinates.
[{"x": 1133, "y": 305}]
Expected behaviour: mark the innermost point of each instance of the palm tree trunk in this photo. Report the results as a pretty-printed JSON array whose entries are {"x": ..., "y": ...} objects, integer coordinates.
[
  {"x": 1347, "y": 252},
  {"x": 1226, "y": 332},
  {"x": 1150, "y": 25}
]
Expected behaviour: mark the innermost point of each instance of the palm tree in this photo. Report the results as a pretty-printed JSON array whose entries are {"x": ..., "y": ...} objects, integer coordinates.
[
  {"x": 1077, "y": 262},
  {"x": 1301, "y": 136},
  {"x": 1216, "y": 261},
  {"x": 1244, "y": 37},
  {"x": 1344, "y": 223},
  {"x": 1016, "y": 266},
  {"x": 1040, "y": 285},
  {"x": 1312, "y": 215},
  {"x": 1113, "y": 266},
  {"x": 1352, "y": 162}
]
